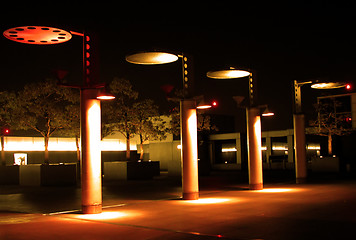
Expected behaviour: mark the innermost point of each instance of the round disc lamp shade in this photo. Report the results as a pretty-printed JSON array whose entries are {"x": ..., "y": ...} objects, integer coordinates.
[
  {"x": 151, "y": 58},
  {"x": 227, "y": 74},
  {"x": 328, "y": 85},
  {"x": 37, "y": 35}
]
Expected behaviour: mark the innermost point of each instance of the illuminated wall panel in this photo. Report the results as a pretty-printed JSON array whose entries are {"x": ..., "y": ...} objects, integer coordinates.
[{"x": 60, "y": 144}]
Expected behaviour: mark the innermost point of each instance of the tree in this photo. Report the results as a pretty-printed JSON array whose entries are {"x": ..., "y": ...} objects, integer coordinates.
[
  {"x": 329, "y": 122},
  {"x": 203, "y": 122},
  {"x": 72, "y": 128},
  {"x": 45, "y": 108},
  {"x": 148, "y": 124},
  {"x": 7, "y": 100},
  {"x": 118, "y": 114}
]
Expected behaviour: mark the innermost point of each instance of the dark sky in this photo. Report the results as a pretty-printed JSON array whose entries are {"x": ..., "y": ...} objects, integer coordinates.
[{"x": 297, "y": 40}]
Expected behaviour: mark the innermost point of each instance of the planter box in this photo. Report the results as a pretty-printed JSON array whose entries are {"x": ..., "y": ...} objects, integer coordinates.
[
  {"x": 325, "y": 164},
  {"x": 226, "y": 166},
  {"x": 131, "y": 170},
  {"x": 9, "y": 174},
  {"x": 48, "y": 175}
]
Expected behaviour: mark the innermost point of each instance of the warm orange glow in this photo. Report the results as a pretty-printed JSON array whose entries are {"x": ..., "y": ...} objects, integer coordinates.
[
  {"x": 151, "y": 58},
  {"x": 267, "y": 114},
  {"x": 193, "y": 134},
  {"x": 228, "y": 74},
  {"x": 102, "y": 216},
  {"x": 116, "y": 145},
  {"x": 37, "y": 144},
  {"x": 257, "y": 132},
  {"x": 37, "y": 35},
  {"x": 60, "y": 144},
  {"x": 229, "y": 150},
  {"x": 276, "y": 190},
  {"x": 94, "y": 126},
  {"x": 329, "y": 85},
  {"x": 254, "y": 144},
  {"x": 189, "y": 152},
  {"x": 105, "y": 97},
  {"x": 206, "y": 106},
  {"x": 208, "y": 201},
  {"x": 20, "y": 158}
]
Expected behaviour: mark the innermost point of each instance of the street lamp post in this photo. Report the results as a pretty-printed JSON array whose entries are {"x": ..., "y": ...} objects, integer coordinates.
[
  {"x": 188, "y": 118},
  {"x": 253, "y": 119},
  {"x": 299, "y": 125},
  {"x": 90, "y": 110}
]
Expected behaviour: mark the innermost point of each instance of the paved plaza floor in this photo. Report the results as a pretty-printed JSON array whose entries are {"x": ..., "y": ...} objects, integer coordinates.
[{"x": 320, "y": 209}]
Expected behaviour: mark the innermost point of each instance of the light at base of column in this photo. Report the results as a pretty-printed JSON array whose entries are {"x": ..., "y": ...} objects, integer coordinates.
[
  {"x": 92, "y": 209},
  {"x": 191, "y": 196},
  {"x": 256, "y": 186}
]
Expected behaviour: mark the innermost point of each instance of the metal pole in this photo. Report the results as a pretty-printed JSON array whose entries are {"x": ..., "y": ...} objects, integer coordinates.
[
  {"x": 91, "y": 152},
  {"x": 254, "y": 148},
  {"x": 189, "y": 150},
  {"x": 299, "y": 135},
  {"x": 299, "y": 145}
]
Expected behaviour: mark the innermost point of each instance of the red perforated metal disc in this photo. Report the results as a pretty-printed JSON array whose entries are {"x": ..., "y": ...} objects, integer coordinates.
[{"x": 37, "y": 35}]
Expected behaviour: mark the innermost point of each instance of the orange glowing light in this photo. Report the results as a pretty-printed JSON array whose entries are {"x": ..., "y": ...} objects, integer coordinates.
[
  {"x": 275, "y": 190},
  {"x": 204, "y": 106},
  {"x": 60, "y": 144},
  {"x": 192, "y": 131},
  {"x": 268, "y": 114},
  {"x": 106, "y": 97},
  {"x": 102, "y": 216},
  {"x": 207, "y": 201},
  {"x": 151, "y": 58},
  {"x": 227, "y": 74},
  {"x": 328, "y": 85}
]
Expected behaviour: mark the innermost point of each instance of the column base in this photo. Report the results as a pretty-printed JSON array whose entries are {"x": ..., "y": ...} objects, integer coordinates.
[
  {"x": 92, "y": 209},
  {"x": 301, "y": 180},
  {"x": 258, "y": 186},
  {"x": 191, "y": 196}
]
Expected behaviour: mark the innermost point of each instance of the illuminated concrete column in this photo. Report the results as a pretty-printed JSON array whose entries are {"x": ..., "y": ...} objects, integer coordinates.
[
  {"x": 254, "y": 148},
  {"x": 91, "y": 152},
  {"x": 299, "y": 145},
  {"x": 189, "y": 150}
]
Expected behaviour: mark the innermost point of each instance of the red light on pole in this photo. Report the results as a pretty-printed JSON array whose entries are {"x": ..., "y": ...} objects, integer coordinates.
[
  {"x": 348, "y": 86},
  {"x": 5, "y": 131},
  {"x": 214, "y": 103}
]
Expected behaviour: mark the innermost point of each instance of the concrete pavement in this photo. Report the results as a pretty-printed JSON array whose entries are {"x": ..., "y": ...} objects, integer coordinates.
[{"x": 280, "y": 211}]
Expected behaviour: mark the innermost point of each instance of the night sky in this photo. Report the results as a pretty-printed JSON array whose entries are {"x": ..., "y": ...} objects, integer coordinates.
[{"x": 280, "y": 42}]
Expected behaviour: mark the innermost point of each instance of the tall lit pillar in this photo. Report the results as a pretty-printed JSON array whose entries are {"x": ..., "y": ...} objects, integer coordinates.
[
  {"x": 91, "y": 152},
  {"x": 299, "y": 144},
  {"x": 254, "y": 148},
  {"x": 189, "y": 150}
]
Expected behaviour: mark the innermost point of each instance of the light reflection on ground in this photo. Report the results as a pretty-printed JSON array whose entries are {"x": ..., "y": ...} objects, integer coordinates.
[
  {"x": 276, "y": 190},
  {"x": 207, "y": 201},
  {"x": 102, "y": 216}
]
